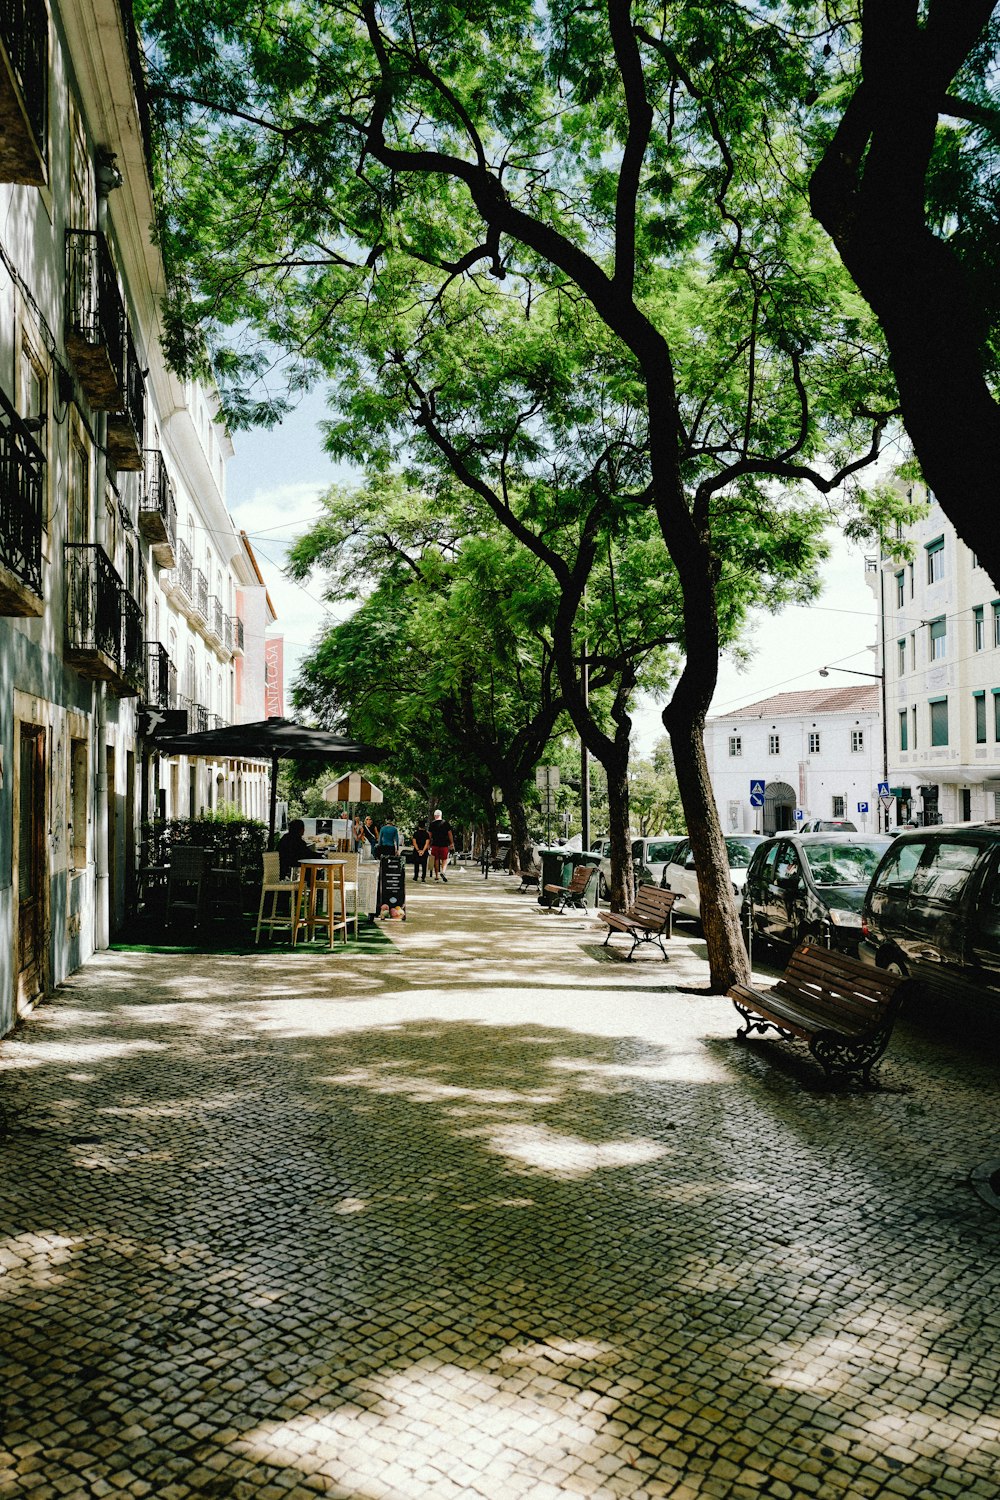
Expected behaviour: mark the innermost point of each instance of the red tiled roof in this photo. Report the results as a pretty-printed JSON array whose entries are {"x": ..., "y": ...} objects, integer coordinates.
[{"x": 835, "y": 700}]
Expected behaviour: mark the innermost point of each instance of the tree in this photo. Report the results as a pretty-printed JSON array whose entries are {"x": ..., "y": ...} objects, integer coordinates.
[
  {"x": 906, "y": 187},
  {"x": 637, "y": 160},
  {"x": 654, "y": 797}
]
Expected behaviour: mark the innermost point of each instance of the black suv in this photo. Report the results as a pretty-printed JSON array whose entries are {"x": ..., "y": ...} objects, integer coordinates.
[
  {"x": 810, "y": 885},
  {"x": 933, "y": 910}
]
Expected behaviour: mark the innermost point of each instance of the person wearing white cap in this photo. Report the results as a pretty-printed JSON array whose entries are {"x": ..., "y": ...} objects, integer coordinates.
[{"x": 442, "y": 843}]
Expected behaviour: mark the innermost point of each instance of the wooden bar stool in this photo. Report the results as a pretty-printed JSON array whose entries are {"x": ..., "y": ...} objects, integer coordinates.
[{"x": 319, "y": 879}]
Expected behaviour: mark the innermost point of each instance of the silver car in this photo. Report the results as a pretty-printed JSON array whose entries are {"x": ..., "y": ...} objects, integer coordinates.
[
  {"x": 682, "y": 877},
  {"x": 650, "y": 857}
]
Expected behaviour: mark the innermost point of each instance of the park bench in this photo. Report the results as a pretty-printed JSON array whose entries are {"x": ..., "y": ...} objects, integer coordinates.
[
  {"x": 529, "y": 881},
  {"x": 844, "y": 1009},
  {"x": 574, "y": 894},
  {"x": 648, "y": 919}
]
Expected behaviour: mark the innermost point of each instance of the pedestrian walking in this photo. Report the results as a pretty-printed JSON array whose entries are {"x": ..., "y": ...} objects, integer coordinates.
[
  {"x": 370, "y": 835},
  {"x": 421, "y": 842},
  {"x": 442, "y": 844},
  {"x": 388, "y": 839}
]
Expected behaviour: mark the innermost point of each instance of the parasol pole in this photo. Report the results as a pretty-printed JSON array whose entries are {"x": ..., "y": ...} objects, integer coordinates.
[{"x": 274, "y": 800}]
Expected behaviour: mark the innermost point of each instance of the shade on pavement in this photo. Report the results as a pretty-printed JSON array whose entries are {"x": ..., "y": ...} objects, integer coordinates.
[{"x": 269, "y": 739}]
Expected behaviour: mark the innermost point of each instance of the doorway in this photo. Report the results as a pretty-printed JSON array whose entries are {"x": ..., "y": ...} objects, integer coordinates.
[
  {"x": 31, "y": 872},
  {"x": 779, "y": 807}
]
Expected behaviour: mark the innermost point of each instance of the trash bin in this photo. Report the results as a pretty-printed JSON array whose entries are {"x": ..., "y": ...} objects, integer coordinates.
[{"x": 557, "y": 869}]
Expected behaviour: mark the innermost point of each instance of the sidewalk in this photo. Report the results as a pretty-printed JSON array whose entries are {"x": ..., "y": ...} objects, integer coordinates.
[{"x": 488, "y": 1214}]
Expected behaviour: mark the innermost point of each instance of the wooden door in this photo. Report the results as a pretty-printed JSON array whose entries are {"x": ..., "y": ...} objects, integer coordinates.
[{"x": 31, "y": 872}]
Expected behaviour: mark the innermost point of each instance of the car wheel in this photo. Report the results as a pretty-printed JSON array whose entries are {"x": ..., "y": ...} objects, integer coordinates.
[
  {"x": 602, "y": 888},
  {"x": 896, "y": 966}
]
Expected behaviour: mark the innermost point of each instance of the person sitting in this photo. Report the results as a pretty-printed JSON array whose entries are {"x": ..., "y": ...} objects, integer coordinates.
[{"x": 292, "y": 848}]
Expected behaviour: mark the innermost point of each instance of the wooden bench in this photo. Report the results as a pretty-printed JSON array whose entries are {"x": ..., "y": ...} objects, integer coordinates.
[
  {"x": 844, "y": 1009},
  {"x": 648, "y": 919},
  {"x": 574, "y": 894},
  {"x": 529, "y": 881}
]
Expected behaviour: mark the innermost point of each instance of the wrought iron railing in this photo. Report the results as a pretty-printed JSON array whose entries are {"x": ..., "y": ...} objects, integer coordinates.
[
  {"x": 227, "y": 632},
  {"x": 93, "y": 601},
  {"x": 200, "y": 596},
  {"x": 216, "y": 721},
  {"x": 214, "y": 615},
  {"x": 238, "y": 623},
  {"x": 185, "y": 569},
  {"x": 158, "y": 494},
  {"x": 160, "y": 676},
  {"x": 22, "y": 486},
  {"x": 132, "y": 657},
  {"x": 126, "y": 424},
  {"x": 24, "y": 31},
  {"x": 197, "y": 718},
  {"x": 95, "y": 313}
]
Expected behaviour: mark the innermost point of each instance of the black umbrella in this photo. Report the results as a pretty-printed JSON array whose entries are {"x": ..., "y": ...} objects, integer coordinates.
[{"x": 271, "y": 739}]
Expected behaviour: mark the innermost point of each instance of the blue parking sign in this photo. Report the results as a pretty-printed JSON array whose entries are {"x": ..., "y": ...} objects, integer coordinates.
[
  {"x": 798, "y": 815},
  {"x": 862, "y": 807}
]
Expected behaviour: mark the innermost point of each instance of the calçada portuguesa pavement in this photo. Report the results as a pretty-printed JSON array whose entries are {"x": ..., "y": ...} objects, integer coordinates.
[{"x": 488, "y": 1213}]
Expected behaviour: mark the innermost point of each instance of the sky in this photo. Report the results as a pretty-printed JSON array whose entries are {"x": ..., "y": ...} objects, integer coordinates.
[{"x": 274, "y": 484}]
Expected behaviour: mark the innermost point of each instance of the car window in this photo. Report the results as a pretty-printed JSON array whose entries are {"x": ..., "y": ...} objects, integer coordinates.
[
  {"x": 680, "y": 854},
  {"x": 843, "y": 864},
  {"x": 898, "y": 870},
  {"x": 637, "y": 848},
  {"x": 739, "y": 853},
  {"x": 943, "y": 877},
  {"x": 787, "y": 862},
  {"x": 766, "y": 868},
  {"x": 659, "y": 853}
]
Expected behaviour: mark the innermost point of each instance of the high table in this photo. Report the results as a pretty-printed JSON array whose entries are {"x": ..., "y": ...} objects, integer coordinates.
[{"x": 316, "y": 878}]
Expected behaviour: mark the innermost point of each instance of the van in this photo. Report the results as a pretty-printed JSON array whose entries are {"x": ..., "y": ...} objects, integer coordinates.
[{"x": 933, "y": 910}]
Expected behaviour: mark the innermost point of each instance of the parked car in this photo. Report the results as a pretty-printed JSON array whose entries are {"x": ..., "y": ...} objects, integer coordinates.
[
  {"x": 933, "y": 910},
  {"x": 810, "y": 885},
  {"x": 682, "y": 877},
  {"x": 828, "y": 825},
  {"x": 650, "y": 857}
]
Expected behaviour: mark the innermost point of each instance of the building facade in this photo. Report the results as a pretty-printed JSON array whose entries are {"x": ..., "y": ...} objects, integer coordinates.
[
  {"x": 120, "y": 570},
  {"x": 818, "y": 754},
  {"x": 939, "y": 641}
]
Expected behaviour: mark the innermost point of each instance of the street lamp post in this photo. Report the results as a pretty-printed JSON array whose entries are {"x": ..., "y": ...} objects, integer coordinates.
[{"x": 879, "y": 677}]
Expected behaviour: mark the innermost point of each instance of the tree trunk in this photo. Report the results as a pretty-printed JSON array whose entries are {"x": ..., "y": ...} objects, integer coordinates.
[
  {"x": 516, "y": 812},
  {"x": 622, "y": 875}
]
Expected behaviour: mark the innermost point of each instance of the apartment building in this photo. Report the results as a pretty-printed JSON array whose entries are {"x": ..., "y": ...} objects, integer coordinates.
[
  {"x": 120, "y": 570},
  {"x": 816, "y": 753},
  {"x": 939, "y": 643}
]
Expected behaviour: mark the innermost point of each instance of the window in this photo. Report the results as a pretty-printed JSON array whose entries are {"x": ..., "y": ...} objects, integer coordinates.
[
  {"x": 838, "y": 807},
  {"x": 78, "y": 794},
  {"x": 79, "y": 491},
  {"x": 913, "y": 727},
  {"x": 900, "y": 594},
  {"x": 735, "y": 744},
  {"x": 814, "y": 742},
  {"x": 913, "y": 650},
  {"x": 901, "y": 663},
  {"x": 996, "y": 715},
  {"x": 939, "y": 638},
  {"x": 857, "y": 740},
  {"x": 774, "y": 744},
  {"x": 939, "y": 721},
  {"x": 978, "y": 629},
  {"x": 996, "y": 622},
  {"x": 935, "y": 560},
  {"x": 903, "y": 742},
  {"x": 909, "y": 569},
  {"x": 945, "y": 875},
  {"x": 980, "y": 700},
  {"x": 965, "y": 798}
]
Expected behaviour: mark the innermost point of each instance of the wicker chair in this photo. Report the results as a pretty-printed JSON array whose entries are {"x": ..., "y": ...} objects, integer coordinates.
[{"x": 273, "y": 886}]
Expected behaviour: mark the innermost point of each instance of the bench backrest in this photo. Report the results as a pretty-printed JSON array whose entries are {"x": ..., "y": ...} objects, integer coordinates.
[
  {"x": 844, "y": 987},
  {"x": 582, "y": 876},
  {"x": 652, "y": 906}
]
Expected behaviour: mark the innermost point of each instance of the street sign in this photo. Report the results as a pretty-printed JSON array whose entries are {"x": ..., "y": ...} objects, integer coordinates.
[
  {"x": 798, "y": 815},
  {"x": 886, "y": 802},
  {"x": 757, "y": 793},
  {"x": 546, "y": 776},
  {"x": 883, "y": 790},
  {"x": 862, "y": 807}
]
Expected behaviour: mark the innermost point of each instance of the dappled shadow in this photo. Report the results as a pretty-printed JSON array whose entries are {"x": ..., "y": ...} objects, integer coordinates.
[{"x": 274, "y": 1231}]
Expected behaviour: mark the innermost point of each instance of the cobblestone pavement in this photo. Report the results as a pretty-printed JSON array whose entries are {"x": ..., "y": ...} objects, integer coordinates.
[{"x": 490, "y": 1214}]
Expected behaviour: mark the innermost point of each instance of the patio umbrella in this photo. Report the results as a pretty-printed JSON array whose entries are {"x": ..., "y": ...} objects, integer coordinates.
[{"x": 269, "y": 739}]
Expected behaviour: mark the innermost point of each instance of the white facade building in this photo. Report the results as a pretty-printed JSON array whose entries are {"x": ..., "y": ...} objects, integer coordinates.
[
  {"x": 940, "y": 647},
  {"x": 119, "y": 565},
  {"x": 818, "y": 753}
]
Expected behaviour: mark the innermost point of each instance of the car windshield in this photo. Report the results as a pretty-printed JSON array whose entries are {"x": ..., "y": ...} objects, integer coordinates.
[
  {"x": 844, "y": 864},
  {"x": 740, "y": 853},
  {"x": 660, "y": 854}
]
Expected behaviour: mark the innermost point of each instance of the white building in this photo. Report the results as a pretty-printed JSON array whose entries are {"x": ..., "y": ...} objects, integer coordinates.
[
  {"x": 940, "y": 649},
  {"x": 119, "y": 565},
  {"x": 817, "y": 752}
]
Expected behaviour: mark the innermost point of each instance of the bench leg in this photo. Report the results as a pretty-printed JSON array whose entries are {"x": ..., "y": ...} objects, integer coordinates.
[
  {"x": 860, "y": 1056},
  {"x": 753, "y": 1022}
]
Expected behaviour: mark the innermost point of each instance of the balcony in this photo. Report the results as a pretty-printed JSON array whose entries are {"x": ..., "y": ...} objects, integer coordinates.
[
  {"x": 103, "y": 622},
  {"x": 185, "y": 570},
  {"x": 126, "y": 425},
  {"x": 95, "y": 319},
  {"x": 24, "y": 91},
  {"x": 215, "y": 617},
  {"x": 158, "y": 510},
  {"x": 198, "y": 716},
  {"x": 161, "y": 677},
  {"x": 200, "y": 596},
  {"x": 237, "y": 627},
  {"x": 22, "y": 487}
]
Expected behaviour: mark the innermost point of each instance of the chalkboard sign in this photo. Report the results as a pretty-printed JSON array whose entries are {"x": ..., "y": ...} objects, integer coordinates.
[
  {"x": 392, "y": 886},
  {"x": 324, "y": 825}
]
